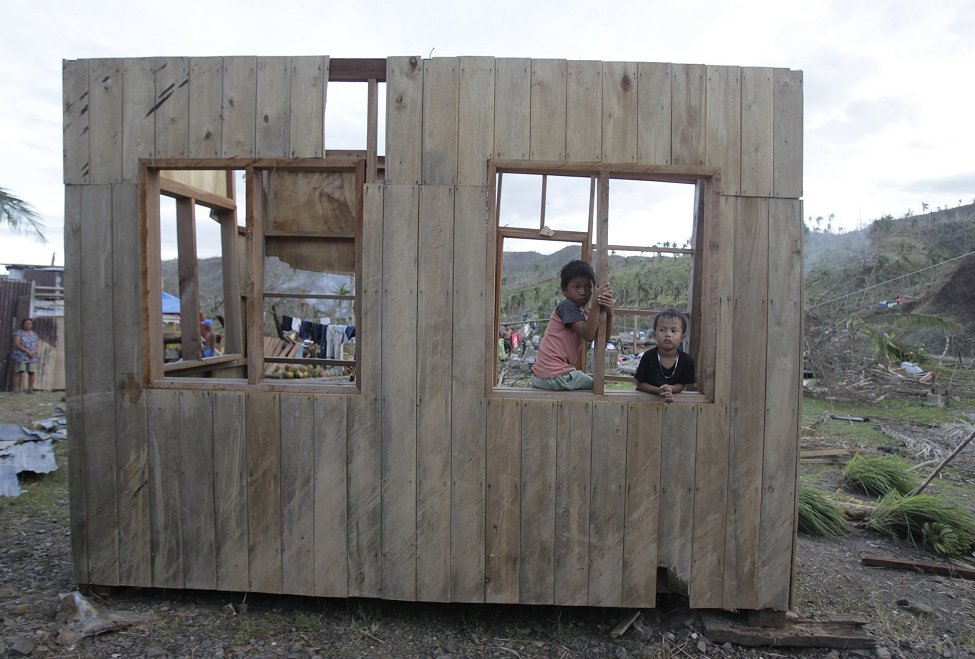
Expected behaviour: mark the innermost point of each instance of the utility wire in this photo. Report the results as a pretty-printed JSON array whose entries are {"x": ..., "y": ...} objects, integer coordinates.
[{"x": 909, "y": 274}]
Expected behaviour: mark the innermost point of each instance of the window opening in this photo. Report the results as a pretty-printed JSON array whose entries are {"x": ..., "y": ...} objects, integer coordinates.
[
  {"x": 646, "y": 247},
  {"x": 296, "y": 258}
]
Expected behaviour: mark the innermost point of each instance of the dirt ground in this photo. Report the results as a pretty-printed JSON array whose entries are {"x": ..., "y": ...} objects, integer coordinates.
[{"x": 909, "y": 615}]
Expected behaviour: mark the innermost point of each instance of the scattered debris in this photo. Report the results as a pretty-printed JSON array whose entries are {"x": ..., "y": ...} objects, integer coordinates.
[
  {"x": 83, "y": 618},
  {"x": 915, "y": 607},
  {"x": 827, "y": 455},
  {"x": 927, "y": 567},
  {"x": 25, "y": 449},
  {"x": 845, "y": 417},
  {"x": 944, "y": 462}
]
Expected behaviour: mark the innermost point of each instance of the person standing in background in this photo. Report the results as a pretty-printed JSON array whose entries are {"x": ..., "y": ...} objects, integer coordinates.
[{"x": 25, "y": 355}]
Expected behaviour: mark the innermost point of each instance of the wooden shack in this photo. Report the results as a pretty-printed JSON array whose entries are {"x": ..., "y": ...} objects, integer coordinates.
[{"x": 420, "y": 479}]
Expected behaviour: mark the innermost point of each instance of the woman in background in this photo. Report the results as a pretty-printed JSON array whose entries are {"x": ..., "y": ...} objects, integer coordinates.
[{"x": 25, "y": 355}]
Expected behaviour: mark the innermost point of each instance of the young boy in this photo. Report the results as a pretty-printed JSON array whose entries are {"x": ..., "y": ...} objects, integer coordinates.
[
  {"x": 570, "y": 326},
  {"x": 666, "y": 369}
]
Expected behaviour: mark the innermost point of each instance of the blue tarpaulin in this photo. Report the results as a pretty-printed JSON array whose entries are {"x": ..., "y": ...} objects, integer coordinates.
[{"x": 170, "y": 303}]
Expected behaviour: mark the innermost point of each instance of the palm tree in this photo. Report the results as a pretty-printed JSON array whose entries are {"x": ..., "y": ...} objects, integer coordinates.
[{"x": 19, "y": 216}]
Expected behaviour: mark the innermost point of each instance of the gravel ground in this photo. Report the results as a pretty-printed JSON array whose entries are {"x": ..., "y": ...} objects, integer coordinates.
[{"x": 935, "y": 617}]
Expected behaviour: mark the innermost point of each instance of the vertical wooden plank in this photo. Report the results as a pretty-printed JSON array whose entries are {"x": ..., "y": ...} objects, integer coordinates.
[
  {"x": 400, "y": 236},
  {"x": 172, "y": 106},
  {"x": 189, "y": 279},
  {"x": 548, "y": 109},
  {"x": 607, "y": 504},
  {"x": 298, "y": 501},
  {"x": 748, "y": 333},
  {"x": 230, "y": 490},
  {"x": 584, "y": 100},
  {"x": 263, "y": 433},
  {"x": 74, "y": 76},
  {"x": 572, "y": 485},
  {"x": 654, "y": 104},
  {"x": 138, "y": 118},
  {"x": 330, "y": 497},
  {"x": 688, "y": 114},
  {"x": 309, "y": 80},
  {"x": 782, "y": 413},
  {"x": 756, "y": 132},
  {"x": 539, "y": 430},
  {"x": 239, "y": 127},
  {"x": 475, "y": 113},
  {"x": 512, "y": 93},
  {"x": 440, "y": 129},
  {"x": 73, "y": 376},
  {"x": 787, "y": 133},
  {"x": 196, "y": 489},
  {"x": 164, "y": 488},
  {"x": 677, "y": 457},
  {"x": 135, "y": 567},
  {"x": 711, "y": 473},
  {"x": 105, "y": 119},
  {"x": 206, "y": 103},
  {"x": 434, "y": 374},
  {"x": 643, "y": 480},
  {"x": 503, "y": 505},
  {"x": 467, "y": 417},
  {"x": 273, "y": 107},
  {"x": 365, "y": 413},
  {"x": 98, "y": 385},
  {"x": 620, "y": 112},
  {"x": 254, "y": 277},
  {"x": 151, "y": 314},
  {"x": 404, "y": 120},
  {"x": 723, "y": 148}
]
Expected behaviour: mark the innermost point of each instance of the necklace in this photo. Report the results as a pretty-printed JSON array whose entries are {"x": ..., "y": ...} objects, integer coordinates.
[{"x": 673, "y": 369}]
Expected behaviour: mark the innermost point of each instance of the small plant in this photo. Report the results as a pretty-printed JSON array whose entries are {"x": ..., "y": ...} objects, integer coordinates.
[
  {"x": 818, "y": 515},
  {"x": 880, "y": 475},
  {"x": 926, "y": 520}
]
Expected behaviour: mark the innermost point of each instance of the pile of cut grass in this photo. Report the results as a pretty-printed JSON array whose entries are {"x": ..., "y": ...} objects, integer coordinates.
[
  {"x": 818, "y": 515},
  {"x": 879, "y": 476},
  {"x": 926, "y": 520}
]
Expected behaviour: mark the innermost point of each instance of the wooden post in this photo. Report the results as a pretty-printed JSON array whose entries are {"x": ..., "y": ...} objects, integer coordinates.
[{"x": 602, "y": 275}]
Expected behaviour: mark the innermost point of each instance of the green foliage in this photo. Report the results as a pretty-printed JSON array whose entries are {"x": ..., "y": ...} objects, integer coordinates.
[
  {"x": 881, "y": 475},
  {"x": 927, "y": 520},
  {"x": 818, "y": 515}
]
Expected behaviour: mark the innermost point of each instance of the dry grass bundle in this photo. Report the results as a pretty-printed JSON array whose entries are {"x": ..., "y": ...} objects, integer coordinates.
[
  {"x": 818, "y": 515},
  {"x": 927, "y": 520},
  {"x": 880, "y": 475}
]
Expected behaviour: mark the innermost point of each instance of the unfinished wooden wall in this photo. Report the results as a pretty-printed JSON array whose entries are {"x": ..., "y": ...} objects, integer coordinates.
[{"x": 421, "y": 486}]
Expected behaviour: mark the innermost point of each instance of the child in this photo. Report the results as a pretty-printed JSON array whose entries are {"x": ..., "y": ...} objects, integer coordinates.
[
  {"x": 666, "y": 369},
  {"x": 571, "y": 325}
]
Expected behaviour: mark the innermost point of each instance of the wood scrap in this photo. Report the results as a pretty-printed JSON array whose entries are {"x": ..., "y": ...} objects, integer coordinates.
[
  {"x": 624, "y": 624},
  {"x": 827, "y": 455},
  {"x": 822, "y": 631},
  {"x": 926, "y": 567}
]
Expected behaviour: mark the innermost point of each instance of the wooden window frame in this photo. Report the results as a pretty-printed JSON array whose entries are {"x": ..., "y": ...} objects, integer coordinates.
[
  {"x": 246, "y": 331},
  {"x": 703, "y": 293}
]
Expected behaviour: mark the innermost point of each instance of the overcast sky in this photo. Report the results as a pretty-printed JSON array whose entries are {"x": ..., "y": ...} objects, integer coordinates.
[{"x": 888, "y": 83}]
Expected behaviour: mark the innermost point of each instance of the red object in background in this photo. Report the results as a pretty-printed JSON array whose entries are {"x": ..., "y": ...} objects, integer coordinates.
[{"x": 515, "y": 340}]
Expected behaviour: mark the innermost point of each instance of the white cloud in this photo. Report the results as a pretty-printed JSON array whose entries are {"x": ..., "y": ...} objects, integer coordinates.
[{"x": 887, "y": 95}]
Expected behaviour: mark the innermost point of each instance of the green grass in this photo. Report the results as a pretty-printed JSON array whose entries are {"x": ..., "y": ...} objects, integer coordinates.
[
  {"x": 928, "y": 520},
  {"x": 880, "y": 475},
  {"x": 817, "y": 514}
]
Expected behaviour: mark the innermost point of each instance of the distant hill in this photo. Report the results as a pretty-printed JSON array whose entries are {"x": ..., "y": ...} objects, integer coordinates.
[
  {"x": 278, "y": 276},
  {"x": 913, "y": 257}
]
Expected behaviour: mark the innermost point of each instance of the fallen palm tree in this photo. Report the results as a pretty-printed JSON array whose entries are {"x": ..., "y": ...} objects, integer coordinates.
[
  {"x": 926, "y": 520},
  {"x": 878, "y": 476}
]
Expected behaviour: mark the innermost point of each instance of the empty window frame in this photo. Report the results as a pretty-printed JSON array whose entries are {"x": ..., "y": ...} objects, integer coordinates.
[
  {"x": 303, "y": 215},
  {"x": 583, "y": 214}
]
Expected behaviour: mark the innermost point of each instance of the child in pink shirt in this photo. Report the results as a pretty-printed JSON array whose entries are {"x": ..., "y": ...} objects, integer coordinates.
[{"x": 571, "y": 325}]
